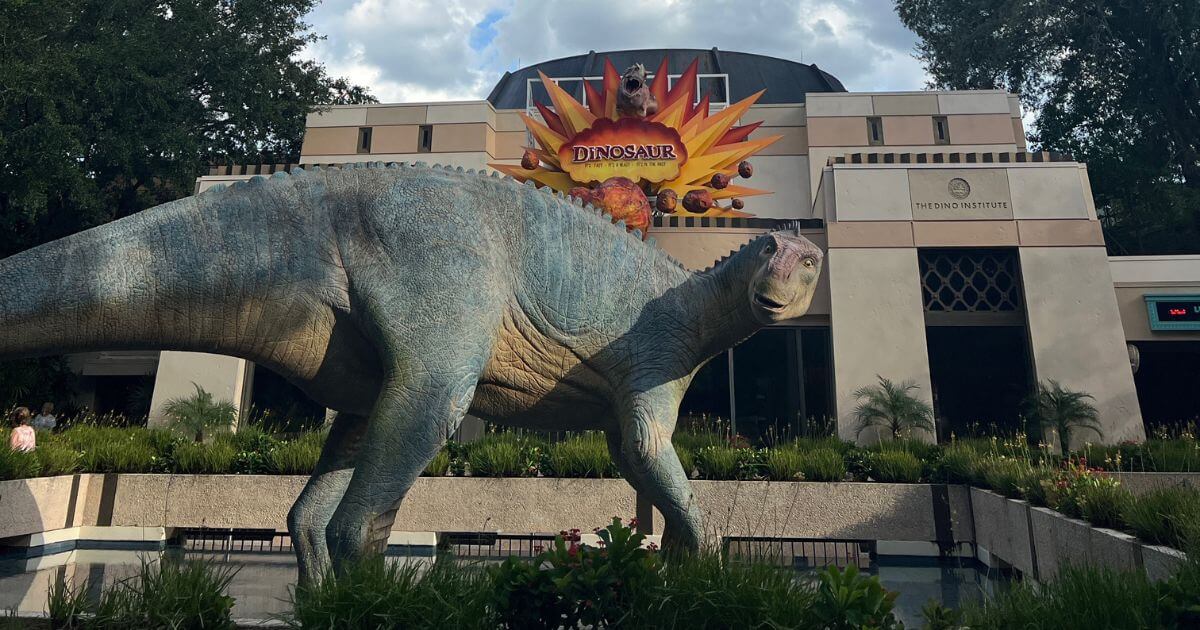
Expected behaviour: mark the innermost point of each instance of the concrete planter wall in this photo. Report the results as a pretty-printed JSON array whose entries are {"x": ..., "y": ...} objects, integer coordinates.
[
  {"x": 1037, "y": 541},
  {"x": 1040, "y": 542},
  {"x": 1143, "y": 482}
]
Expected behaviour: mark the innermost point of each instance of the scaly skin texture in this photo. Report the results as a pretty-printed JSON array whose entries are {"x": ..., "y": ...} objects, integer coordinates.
[{"x": 403, "y": 298}]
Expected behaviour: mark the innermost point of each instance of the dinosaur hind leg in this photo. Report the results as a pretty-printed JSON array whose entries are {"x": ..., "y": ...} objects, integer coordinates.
[
  {"x": 412, "y": 419},
  {"x": 314, "y": 507}
]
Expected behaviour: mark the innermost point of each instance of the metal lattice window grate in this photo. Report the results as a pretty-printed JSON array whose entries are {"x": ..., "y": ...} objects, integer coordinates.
[{"x": 966, "y": 281}]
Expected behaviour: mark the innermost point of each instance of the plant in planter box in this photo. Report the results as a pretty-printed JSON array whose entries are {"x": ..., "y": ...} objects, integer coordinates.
[
  {"x": 1064, "y": 412},
  {"x": 895, "y": 467},
  {"x": 893, "y": 409},
  {"x": 572, "y": 585}
]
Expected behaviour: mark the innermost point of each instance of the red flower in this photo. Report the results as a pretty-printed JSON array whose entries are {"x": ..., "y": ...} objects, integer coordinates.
[{"x": 633, "y": 522}]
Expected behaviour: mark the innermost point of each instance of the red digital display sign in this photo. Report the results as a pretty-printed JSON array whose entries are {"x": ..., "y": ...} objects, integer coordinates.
[{"x": 1178, "y": 311}]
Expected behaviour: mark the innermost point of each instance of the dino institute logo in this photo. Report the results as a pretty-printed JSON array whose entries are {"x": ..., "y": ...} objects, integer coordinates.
[{"x": 959, "y": 188}]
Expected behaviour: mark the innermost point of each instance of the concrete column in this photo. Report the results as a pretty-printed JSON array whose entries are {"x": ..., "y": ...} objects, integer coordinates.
[
  {"x": 878, "y": 325},
  {"x": 1076, "y": 336},
  {"x": 226, "y": 378}
]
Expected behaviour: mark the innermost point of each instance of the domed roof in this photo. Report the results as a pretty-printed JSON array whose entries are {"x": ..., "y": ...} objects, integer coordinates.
[{"x": 785, "y": 81}]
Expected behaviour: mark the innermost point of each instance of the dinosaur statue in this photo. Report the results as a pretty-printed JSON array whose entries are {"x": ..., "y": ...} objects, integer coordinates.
[{"x": 402, "y": 298}]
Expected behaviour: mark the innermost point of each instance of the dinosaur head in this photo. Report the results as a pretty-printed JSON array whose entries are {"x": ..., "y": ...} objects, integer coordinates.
[{"x": 784, "y": 278}]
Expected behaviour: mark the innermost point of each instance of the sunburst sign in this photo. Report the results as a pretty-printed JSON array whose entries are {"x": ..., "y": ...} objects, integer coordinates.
[{"x": 638, "y": 134}]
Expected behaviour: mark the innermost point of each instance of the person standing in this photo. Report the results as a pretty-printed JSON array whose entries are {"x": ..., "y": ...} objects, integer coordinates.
[
  {"x": 45, "y": 421},
  {"x": 23, "y": 437}
]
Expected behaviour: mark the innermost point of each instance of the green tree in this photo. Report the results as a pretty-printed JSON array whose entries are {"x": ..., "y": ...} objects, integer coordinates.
[
  {"x": 108, "y": 107},
  {"x": 200, "y": 413},
  {"x": 1115, "y": 83},
  {"x": 1063, "y": 411},
  {"x": 893, "y": 408}
]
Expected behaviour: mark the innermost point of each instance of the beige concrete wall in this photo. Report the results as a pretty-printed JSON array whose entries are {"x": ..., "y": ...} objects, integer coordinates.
[
  {"x": 1076, "y": 335},
  {"x": 510, "y": 145},
  {"x": 877, "y": 324},
  {"x": 460, "y": 138},
  {"x": 329, "y": 141},
  {"x": 871, "y": 195},
  {"x": 1049, "y": 192},
  {"x": 390, "y": 139},
  {"x": 786, "y": 176},
  {"x": 981, "y": 129},
  {"x": 226, "y": 378},
  {"x": 1135, "y": 276},
  {"x": 908, "y": 130}
]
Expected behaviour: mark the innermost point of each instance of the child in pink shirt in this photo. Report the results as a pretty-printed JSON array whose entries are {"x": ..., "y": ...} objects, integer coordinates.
[{"x": 23, "y": 437}]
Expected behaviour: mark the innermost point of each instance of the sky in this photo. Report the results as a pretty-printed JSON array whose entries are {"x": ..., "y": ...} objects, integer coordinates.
[{"x": 435, "y": 50}]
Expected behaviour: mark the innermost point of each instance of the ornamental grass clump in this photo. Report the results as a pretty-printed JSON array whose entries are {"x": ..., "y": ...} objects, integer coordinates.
[
  {"x": 583, "y": 456},
  {"x": 197, "y": 458},
  {"x": 957, "y": 463},
  {"x": 1077, "y": 599},
  {"x": 115, "y": 450},
  {"x": 18, "y": 464},
  {"x": 162, "y": 595},
  {"x": 299, "y": 456},
  {"x": 378, "y": 593},
  {"x": 1166, "y": 516},
  {"x": 822, "y": 464},
  {"x": 500, "y": 458},
  {"x": 724, "y": 463},
  {"x": 783, "y": 464},
  {"x": 56, "y": 458},
  {"x": 439, "y": 465},
  {"x": 895, "y": 467},
  {"x": 1104, "y": 504}
]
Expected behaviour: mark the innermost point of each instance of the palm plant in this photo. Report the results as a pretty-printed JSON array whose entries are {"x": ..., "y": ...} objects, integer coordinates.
[
  {"x": 200, "y": 413},
  {"x": 892, "y": 407},
  {"x": 1064, "y": 411}
]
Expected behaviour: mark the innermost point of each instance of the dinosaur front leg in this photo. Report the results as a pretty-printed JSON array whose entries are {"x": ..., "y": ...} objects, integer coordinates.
[
  {"x": 412, "y": 419},
  {"x": 647, "y": 459},
  {"x": 315, "y": 506}
]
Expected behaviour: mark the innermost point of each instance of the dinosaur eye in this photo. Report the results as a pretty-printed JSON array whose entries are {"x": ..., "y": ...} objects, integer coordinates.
[
  {"x": 770, "y": 248},
  {"x": 809, "y": 263}
]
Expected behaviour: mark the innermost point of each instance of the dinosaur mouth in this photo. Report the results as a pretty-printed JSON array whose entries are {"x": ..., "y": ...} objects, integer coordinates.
[
  {"x": 767, "y": 303},
  {"x": 632, "y": 85}
]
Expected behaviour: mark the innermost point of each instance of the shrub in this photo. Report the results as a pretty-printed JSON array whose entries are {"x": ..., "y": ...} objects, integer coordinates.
[
  {"x": 438, "y": 466},
  {"x": 848, "y": 600},
  {"x": 572, "y": 585},
  {"x": 783, "y": 464},
  {"x": 18, "y": 464},
  {"x": 197, "y": 458},
  {"x": 823, "y": 464},
  {"x": 299, "y": 456},
  {"x": 895, "y": 467},
  {"x": 1166, "y": 516},
  {"x": 1066, "y": 490},
  {"x": 893, "y": 408},
  {"x": 162, "y": 595},
  {"x": 200, "y": 413},
  {"x": 119, "y": 454},
  {"x": 57, "y": 458},
  {"x": 584, "y": 456}
]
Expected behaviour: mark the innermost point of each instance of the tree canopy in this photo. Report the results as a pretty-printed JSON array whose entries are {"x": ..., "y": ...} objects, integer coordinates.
[
  {"x": 1116, "y": 83},
  {"x": 108, "y": 107}
]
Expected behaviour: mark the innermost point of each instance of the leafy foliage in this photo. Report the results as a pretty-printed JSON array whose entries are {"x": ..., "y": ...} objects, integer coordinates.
[
  {"x": 1063, "y": 411},
  {"x": 110, "y": 107},
  {"x": 847, "y": 600},
  {"x": 200, "y": 413},
  {"x": 893, "y": 408},
  {"x": 584, "y": 456},
  {"x": 1113, "y": 82}
]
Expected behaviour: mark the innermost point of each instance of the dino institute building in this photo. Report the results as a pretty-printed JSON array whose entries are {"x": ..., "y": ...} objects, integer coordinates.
[{"x": 955, "y": 258}]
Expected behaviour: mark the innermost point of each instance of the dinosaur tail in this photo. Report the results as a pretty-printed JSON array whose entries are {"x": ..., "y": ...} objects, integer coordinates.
[{"x": 135, "y": 283}]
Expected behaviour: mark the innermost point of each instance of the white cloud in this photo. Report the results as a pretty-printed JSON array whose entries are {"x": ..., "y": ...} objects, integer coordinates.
[{"x": 419, "y": 50}]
